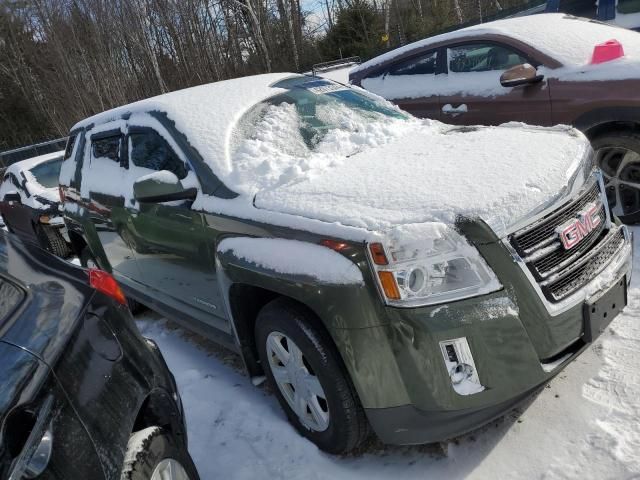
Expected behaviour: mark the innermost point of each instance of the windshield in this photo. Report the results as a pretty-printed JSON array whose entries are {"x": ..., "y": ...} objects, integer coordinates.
[
  {"x": 46, "y": 174},
  {"x": 314, "y": 123}
]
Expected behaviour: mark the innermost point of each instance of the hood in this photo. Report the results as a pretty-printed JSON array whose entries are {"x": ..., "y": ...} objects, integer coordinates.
[{"x": 437, "y": 173}]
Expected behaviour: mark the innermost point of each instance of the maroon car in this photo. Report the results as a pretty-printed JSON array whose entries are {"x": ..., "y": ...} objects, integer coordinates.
[{"x": 545, "y": 69}]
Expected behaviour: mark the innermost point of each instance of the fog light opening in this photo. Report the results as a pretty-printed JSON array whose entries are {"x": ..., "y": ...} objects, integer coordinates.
[{"x": 460, "y": 366}]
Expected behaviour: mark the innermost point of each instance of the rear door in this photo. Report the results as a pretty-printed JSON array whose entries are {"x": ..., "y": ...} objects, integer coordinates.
[
  {"x": 473, "y": 95},
  {"x": 411, "y": 83}
]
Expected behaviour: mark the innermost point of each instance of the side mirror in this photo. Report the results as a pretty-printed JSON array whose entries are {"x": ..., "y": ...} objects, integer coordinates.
[
  {"x": 162, "y": 186},
  {"x": 523, "y": 74},
  {"x": 12, "y": 197}
]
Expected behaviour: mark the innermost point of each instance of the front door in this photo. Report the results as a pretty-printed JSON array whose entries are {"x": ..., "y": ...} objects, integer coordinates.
[
  {"x": 170, "y": 242},
  {"x": 411, "y": 84},
  {"x": 108, "y": 202},
  {"x": 474, "y": 96}
]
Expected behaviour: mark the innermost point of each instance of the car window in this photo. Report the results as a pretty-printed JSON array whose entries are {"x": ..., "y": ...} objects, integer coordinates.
[
  {"x": 69, "y": 148},
  {"x": 107, "y": 147},
  {"x": 15, "y": 181},
  {"x": 422, "y": 65},
  {"x": 46, "y": 174},
  {"x": 628, "y": 6},
  {"x": 482, "y": 57},
  {"x": 149, "y": 150}
]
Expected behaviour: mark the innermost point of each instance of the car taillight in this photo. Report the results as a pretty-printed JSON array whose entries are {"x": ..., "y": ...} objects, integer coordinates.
[
  {"x": 61, "y": 193},
  {"x": 105, "y": 283}
]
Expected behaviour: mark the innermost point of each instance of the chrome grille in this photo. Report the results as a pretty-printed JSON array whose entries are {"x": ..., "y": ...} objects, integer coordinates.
[{"x": 558, "y": 271}]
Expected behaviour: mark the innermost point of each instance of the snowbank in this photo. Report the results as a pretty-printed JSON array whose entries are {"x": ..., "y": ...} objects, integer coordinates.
[{"x": 295, "y": 258}]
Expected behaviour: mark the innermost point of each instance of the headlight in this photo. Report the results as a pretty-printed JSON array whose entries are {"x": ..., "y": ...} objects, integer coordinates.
[{"x": 429, "y": 263}]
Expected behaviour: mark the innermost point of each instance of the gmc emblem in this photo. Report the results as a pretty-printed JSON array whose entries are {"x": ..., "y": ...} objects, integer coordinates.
[{"x": 574, "y": 230}]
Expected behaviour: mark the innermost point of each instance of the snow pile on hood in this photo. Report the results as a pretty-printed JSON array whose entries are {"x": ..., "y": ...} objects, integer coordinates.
[
  {"x": 434, "y": 173},
  {"x": 569, "y": 40},
  {"x": 295, "y": 258}
]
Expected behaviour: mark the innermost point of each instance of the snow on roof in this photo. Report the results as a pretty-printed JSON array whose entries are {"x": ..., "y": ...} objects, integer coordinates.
[
  {"x": 206, "y": 113},
  {"x": 29, "y": 163},
  {"x": 570, "y": 40}
]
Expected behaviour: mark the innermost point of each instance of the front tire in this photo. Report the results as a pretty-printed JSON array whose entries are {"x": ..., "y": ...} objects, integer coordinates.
[
  {"x": 52, "y": 241},
  {"x": 304, "y": 368},
  {"x": 618, "y": 156},
  {"x": 152, "y": 454}
]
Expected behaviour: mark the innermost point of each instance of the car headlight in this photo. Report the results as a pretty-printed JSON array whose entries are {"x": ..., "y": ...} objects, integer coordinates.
[{"x": 429, "y": 263}]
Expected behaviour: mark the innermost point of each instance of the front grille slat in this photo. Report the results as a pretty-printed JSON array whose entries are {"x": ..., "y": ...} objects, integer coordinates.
[
  {"x": 558, "y": 271},
  {"x": 542, "y": 232}
]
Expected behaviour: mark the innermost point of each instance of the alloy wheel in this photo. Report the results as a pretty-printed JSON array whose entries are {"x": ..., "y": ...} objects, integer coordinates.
[
  {"x": 297, "y": 382},
  {"x": 621, "y": 170},
  {"x": 169, "y": 469}
]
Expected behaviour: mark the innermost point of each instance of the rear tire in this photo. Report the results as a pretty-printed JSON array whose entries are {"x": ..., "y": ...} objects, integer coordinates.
[
  {"x": 334, "y": 420},
  {"x": 153, "y": 454},
  {"x": 618, "y": 156},
  {"x": 52, "y": 241}
]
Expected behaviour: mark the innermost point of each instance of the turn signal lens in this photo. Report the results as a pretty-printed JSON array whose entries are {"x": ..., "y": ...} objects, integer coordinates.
[
  {"x": 389, "y": 285},
  {"x": 105, "y": 283},
  {"x": 335, "y": 245},
  {"x": 377, "y": 254}
]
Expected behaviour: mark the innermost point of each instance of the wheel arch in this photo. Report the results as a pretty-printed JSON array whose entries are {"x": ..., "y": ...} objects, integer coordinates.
[
  {"x": 159, "y": 409},
  {"x": 604, "y": 120}
]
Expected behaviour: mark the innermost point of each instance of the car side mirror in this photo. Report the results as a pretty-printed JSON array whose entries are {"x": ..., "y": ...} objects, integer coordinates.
[
  {"x": 523, "y": 74},
  {"x": 12, "y": 197},
  {"x": 162, "y": 186}
]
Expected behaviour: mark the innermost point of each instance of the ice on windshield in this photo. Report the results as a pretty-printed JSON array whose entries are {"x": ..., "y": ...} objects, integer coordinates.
[{"x": 312, "y": 126}]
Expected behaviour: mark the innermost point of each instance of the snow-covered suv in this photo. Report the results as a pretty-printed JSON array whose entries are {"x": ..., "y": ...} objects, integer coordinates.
[{"x": 380, "y": 270}]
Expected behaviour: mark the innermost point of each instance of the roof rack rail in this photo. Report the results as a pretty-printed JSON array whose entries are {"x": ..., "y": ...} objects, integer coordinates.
[{"x": 334, "y": 64}]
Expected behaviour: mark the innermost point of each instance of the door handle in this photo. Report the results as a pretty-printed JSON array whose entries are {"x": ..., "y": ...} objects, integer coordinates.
[{"x": 455, "y": 111}]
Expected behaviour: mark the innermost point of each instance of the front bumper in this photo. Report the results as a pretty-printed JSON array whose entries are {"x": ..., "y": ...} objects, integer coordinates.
[{"x": 517, "y": 346}]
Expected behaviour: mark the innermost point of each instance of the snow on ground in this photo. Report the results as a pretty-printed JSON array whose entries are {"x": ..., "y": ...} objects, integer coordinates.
[{"x": 584, "y": 424}]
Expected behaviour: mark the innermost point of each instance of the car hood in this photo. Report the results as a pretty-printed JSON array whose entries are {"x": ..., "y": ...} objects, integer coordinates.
[{"x": 439, "y": 173}]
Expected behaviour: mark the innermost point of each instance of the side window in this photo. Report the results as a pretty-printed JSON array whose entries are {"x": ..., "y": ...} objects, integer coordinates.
[
  {"x": 422, "y": 65},
  {"x": 482, "y": 57},
  {"x": 149, "y": 150},
  {"x": 69, "y": 148},
  {"x": 107, "y": 147}
]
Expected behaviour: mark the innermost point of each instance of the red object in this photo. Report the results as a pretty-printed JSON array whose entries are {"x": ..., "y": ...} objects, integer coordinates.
[
  {"x": 607, "y": 51},
  {"x": 105, "y": 283},
  {"x": 335, "y": 245}
]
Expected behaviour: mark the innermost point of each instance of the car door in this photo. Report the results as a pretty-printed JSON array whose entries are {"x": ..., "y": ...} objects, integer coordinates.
[
  {"x": 18, "y": 217},
  {"x": 170, "y": 241},
  {"x": 411, "y": 84},
  {"x": 108, "y": 203},
  {"x": 473, "y": 94}
]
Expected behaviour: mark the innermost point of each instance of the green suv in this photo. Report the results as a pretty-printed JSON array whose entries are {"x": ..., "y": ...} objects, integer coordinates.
[{"x": 382, "y": 272}]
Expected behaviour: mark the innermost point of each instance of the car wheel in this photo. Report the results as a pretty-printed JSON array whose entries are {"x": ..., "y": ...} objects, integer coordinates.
[
  {"x": 52, "y": 240},
  {"x": 313, "y": 387},
  {"x": 153, "y": 454},
  {"x": 618, "y": 156}
]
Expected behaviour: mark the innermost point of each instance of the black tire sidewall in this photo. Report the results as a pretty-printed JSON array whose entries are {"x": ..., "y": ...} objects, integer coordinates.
[{"x": 294, "y": 322}]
